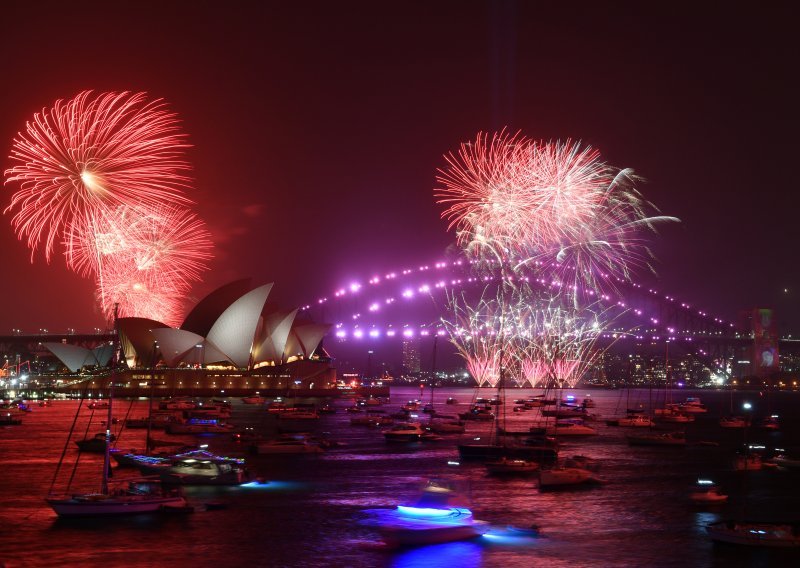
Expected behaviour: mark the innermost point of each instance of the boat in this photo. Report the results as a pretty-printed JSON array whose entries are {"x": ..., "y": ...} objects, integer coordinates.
[
  {"x": 733, "y": 422},
  {"x": 707, "y": 493},
  {"x": 632, "y": 420},
  {"x": 784, "y": 462},
  {"x": 569, "y": 428},
  {"x": 97, "y": 405},
  {"x": 673, "y": 439},
  {"x": 97, "y": 444},
  {"x": 199, "y": 426},
  {"x": 297, "y": 420},
  {"x": 534, "y": 448},
  {"x": 770, "y": 423},
  {"x": 253, "y": 400},
  {"x": 762, "y": 534},
  {"x": 692, "y": 405},
  {"x": 451, "y": 400},
  {"x": 673, "y": 415},
  {"x": 506, "y": 466},
  {"x": 9, "y": 419},
  {"x": 192, "y": 467},
  {"x": 408, "y": 432},
  {"x": 562, "y": 476},
  {"x": 137, "y": 496},
  {"x": 438, "y": 516}
]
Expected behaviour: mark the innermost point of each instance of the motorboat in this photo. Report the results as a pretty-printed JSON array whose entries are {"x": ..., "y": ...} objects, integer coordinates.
[
  {"x": 439, "y": 515},
  {"x": 506, "y": 466},
  {"x": 707, "y": 493},
  {"x": 733, "y": 422},
  {"x": 562, "y": 476},
  {"x": 139, "y": 496},
  {"x": 673, "y": 439},
  {"x": 97, "y": 405},
  {"x": 451, "y": 400},
  {"x": 770, "y": 535},
  {"x": 407, "y": 432}
]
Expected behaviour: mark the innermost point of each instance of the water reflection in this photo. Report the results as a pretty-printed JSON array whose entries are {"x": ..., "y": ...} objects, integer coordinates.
[{"x": 466, "y": 554}]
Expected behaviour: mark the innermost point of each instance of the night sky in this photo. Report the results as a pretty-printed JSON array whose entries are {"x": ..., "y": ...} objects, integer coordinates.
[{"x": 317, "y": 128}]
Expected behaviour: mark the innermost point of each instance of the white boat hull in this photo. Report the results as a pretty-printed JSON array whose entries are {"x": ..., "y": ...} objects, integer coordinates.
[{"x": 99, "y": 505}]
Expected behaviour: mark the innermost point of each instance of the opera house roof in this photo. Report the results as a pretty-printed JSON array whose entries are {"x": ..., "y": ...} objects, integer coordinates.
[{"x": 232, "y": 326}]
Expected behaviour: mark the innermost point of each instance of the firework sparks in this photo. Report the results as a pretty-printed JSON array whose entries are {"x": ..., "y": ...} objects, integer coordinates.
[
  {"x": 91, "y": 153},
  {"x": 105, "y": 175},
  {"x": 517, "y": 201}
]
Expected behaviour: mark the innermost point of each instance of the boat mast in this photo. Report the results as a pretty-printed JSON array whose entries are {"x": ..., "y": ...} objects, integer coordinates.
[
  {"x": 114, "y": 357},
  {"x": 433, "y": 370},
  {"x": 149, "y": 442}
]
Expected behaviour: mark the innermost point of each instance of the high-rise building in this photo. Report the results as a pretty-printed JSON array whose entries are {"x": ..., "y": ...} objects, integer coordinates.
[{"x": 411, "y": 355}]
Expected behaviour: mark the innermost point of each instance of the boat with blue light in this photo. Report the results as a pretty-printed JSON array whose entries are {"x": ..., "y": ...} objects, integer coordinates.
[{"x": 438, "y": 516}]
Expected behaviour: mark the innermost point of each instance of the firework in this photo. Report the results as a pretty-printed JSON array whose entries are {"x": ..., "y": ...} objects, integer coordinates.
[
  {"x": 105, "y": 176},
  {"x": 516, "y": 201},
  {"x": 144, "y": 259},
  {"x": 90, "y": 153}
]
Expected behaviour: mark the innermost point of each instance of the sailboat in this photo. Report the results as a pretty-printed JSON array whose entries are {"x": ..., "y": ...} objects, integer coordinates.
[{"x": 131, "y": 496}]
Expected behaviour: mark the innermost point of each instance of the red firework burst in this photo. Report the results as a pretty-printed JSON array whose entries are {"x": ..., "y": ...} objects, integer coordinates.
[{"x": 90, "y": 153}]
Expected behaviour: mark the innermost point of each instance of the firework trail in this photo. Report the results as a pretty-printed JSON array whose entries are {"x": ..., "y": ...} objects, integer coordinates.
[{"x": 104, "y": 175}]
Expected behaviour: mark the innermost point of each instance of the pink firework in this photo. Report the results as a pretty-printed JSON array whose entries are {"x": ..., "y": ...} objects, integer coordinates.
[
  {"x": 518, "y": 201},
  {"x": 90, "y": 153},
  {"x": 142, "y": 256}
]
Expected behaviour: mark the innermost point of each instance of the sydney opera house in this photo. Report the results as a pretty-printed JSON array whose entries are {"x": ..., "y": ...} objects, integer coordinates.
[{"x": 234, "y": 342}]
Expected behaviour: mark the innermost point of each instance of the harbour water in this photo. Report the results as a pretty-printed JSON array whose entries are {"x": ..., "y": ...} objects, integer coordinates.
[{"x": 319, "y": 510}]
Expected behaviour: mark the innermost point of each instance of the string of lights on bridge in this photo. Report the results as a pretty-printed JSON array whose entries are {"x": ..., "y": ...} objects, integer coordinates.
[{"x": 354, "y": 330}]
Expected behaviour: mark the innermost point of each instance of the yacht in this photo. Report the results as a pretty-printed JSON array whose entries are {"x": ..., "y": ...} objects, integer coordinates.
[{"x": 139, "y": 496}]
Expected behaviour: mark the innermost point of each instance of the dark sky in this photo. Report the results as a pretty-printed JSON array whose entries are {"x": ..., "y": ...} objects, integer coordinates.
[{"x": 318, "y": 126}]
